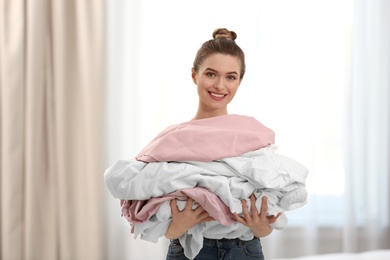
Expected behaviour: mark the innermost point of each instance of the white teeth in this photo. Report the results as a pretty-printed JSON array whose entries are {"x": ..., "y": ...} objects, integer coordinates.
[{"x": 217, "y": 95}]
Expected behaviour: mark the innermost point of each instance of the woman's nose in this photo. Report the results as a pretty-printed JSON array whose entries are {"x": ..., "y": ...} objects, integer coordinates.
[{"x": 219, "y": 84}]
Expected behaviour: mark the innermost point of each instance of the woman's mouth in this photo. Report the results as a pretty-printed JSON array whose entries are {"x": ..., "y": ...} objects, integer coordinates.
[{"x": 217, "y": 96}]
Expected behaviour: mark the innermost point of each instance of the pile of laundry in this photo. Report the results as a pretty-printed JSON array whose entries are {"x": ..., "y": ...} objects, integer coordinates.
[{"x": 217, "y": 162}]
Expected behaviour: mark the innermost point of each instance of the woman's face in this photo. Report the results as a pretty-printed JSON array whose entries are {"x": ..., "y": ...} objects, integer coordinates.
[{"x": 217, "y": 79}]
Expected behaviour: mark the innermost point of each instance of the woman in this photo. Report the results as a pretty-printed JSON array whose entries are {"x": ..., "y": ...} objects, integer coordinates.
[
  {"x": 217, "y": 71},
  {"x": 194, "y": 181}
]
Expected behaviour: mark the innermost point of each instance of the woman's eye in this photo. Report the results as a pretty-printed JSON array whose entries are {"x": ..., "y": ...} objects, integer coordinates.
[
  {"x": 231, "y": 77},
  {"x": 210, "y": 74}
]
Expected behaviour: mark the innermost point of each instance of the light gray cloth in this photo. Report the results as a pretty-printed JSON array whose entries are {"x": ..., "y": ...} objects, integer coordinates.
[{"x": 262, "y": 172}]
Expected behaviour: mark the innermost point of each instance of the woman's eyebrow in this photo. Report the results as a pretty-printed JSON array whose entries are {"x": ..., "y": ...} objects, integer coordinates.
[{"x": 213, "y": 70}]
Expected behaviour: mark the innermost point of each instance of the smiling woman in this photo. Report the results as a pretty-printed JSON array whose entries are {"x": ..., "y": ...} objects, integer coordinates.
[
  {"x": 254, "y": 191},
  {"x": 217, "y": 76},
  {"x": 300, "y": 62}
]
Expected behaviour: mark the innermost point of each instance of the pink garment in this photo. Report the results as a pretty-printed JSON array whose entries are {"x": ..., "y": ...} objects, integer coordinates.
[
  {"x": 208, "y": 139},
  {"x": 202, "y": 140},
  {"x": 138, "y": 211}
]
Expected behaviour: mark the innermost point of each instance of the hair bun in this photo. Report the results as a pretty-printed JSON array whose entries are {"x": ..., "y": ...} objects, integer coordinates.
[{"x": 224, "y": 33}]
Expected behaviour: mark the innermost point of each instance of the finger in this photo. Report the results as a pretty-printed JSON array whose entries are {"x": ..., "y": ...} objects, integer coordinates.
[
  {"x": 174, "y": 208},
  {"x": 272, "y": 219},
  {"x": 189, "y": 203},
  {"x": 199, "y": 210},
  {"x": 254, "y": 211},
  {"x": 245, "y": 211},
  {"x": 204, "y": 215},
  {"x": 253, "y": 205},
  {"x": 264, "y": 208},
  {"x": 247, "y": 216},
  {"x": 240, "y": 219},
  {"x": 208, "y": 219}
]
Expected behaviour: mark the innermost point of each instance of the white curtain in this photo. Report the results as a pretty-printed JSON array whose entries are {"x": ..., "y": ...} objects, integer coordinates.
[
  {"x": 317, "y": 74},
  {"x": 367, "y": 133}
]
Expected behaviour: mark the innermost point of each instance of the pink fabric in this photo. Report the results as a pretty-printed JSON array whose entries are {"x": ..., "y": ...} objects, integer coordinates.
[
  {"x": 138, "y": 211},
  {"x": 201, "y": 140},
  {"x": 208, "y": 139}
]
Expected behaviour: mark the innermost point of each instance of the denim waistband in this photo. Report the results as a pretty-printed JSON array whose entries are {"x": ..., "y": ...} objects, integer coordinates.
[
  {"x": 220, "y": 242},
  {"x": 226, "y": 241}
]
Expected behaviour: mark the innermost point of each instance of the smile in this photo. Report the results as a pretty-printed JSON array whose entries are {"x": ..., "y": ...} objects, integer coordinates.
[{"x": 217, "y": 95}]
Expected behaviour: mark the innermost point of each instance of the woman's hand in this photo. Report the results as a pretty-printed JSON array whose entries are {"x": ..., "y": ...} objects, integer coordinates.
[
  {"x": 185, "y": 219},
  {"x": 258, "y": 223}
]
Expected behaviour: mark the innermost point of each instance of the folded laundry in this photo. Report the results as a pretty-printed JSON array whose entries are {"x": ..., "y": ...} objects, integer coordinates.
[
  {"x": 234, "y": 158},
  {"x": 138, "y": 211},
  {"x": 208, "y": 139}
]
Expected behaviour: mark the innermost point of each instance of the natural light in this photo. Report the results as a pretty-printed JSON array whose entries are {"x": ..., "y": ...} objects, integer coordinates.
[
  {"x": 297, "y": 89},
  {"x": 298, "y": 83}
]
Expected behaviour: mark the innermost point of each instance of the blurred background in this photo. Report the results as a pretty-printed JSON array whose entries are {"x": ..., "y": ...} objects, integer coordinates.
[{"x": 86, "y": 83}]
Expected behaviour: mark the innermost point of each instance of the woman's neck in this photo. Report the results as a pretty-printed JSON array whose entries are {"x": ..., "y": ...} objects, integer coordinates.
[{"x": 206, "y": 114}]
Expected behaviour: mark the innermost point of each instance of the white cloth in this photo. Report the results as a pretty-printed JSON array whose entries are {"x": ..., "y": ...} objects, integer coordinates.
[{"x": 262, "y": 172}]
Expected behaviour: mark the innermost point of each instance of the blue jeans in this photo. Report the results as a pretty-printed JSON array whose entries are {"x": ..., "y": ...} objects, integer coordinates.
[{"x": 220, "y": 249}]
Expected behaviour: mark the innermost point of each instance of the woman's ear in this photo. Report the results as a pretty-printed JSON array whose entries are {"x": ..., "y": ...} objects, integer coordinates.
[{"x": 193, "y": 75}]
